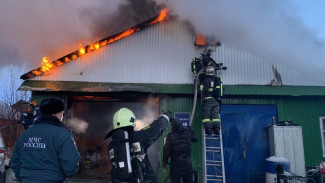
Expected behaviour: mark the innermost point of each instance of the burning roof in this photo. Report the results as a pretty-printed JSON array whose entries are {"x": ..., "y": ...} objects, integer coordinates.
[{"x": 47, "y": 65}]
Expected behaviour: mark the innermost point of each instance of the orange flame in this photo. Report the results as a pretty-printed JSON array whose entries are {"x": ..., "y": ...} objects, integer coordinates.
[
  {"x": 123, "y": 34},
  {"x": 161, "y": 17},
  {"x": 97, "y": 46},
  {"x": 46, "y": 64},
  {"x": 82, "y": 51}
]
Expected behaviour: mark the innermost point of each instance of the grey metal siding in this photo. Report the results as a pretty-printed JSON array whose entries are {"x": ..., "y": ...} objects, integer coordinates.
[
  {"x": 159, "y": 54},
  {"x": 162, "y": 54}
]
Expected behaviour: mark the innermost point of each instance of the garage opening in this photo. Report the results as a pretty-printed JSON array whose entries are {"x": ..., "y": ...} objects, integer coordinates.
[{"x": 90, "y": 119}]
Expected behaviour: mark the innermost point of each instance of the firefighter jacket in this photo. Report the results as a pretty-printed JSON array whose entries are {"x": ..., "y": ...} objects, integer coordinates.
[
  {"x": 201, "y": 63},
  {"x": 139, "y": 142},
  {"x": 178, "y": 148},
  {"x": 206, "y": 61},
  {"x": 45, "y": 152},
  {"x": 211, "y": 87}
]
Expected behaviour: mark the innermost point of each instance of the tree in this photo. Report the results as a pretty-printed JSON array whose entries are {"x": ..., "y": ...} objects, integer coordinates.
[{"x": 9, "y": 94}]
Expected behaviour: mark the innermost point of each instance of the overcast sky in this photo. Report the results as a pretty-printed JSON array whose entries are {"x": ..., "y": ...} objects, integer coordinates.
[{"x": 284, "y": 31}]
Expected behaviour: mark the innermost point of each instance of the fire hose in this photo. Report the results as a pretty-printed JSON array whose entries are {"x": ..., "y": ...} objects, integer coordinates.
[{"x": 196, "y": 81}]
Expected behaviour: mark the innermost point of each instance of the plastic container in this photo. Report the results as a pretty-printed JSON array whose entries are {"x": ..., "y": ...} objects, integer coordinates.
[{"x": 271, "y": 164}]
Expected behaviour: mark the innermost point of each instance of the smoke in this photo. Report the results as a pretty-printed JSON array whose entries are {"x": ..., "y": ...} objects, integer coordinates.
[
  {"x": 30, "y": 30},
  {"x": 271, "y": 30},
  {"x": 149, "y": 114},
  {"x": 77, "y": 125},
  {"x": 129, "y": 13}
]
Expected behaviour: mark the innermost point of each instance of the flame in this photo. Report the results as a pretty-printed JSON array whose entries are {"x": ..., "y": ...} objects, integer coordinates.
[
  {"x": 161, "y": 17},
  {"x": 103, "y": 43},
  {"x": 46, "y": 64},
  {"x": 82, "y": 51},
  {"x": 67, "y": 59},
  {"x": 97, "y": 46},
  {"x": 123, "y": 34}
]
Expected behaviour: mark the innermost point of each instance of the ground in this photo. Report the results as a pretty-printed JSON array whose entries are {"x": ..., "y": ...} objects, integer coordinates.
[{"x": 10, "y": 178}]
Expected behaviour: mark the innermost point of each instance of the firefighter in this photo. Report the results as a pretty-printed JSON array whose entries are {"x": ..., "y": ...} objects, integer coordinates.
[
  {"x": 178, "y": 148},
  {"x": 203, "y": 62},
  {"x": 28, "y": 117},
  {"x": 127, "y": 150},
  {"x": 211, "y": 92}
]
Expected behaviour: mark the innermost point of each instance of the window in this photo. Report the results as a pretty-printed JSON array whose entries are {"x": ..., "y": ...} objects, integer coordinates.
[{"x": 322, "y": 131}]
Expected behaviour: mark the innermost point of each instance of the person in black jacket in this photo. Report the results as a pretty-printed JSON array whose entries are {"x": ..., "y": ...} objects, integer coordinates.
[
  {"x": 178, "y": 148},
  {"x": 128, "y": 148},
  {"x": 46, "y": 152},
  {"x": 27, "y": 118}
]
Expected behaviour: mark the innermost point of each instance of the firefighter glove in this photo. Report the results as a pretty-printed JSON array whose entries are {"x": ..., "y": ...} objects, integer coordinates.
[{"x": 168, "y": 114}]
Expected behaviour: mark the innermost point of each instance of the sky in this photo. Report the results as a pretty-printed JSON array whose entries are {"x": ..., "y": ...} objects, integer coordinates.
[
  {"x": 312, "y": 13},
  {"x": 289, "y": 32}
]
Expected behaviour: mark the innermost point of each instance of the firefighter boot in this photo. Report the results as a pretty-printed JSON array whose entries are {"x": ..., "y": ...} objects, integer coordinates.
[
  {"x": 208, "y": 131},
  {"x": 216, "y": 131},
  {"x": 208, "y": 128}
]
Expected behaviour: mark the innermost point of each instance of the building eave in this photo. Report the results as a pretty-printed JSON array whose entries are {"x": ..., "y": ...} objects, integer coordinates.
[{"x": 230, "y": 90}]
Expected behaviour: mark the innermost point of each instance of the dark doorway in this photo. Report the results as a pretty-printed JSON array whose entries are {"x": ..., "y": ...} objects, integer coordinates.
[{"x": 91, "y": 119}]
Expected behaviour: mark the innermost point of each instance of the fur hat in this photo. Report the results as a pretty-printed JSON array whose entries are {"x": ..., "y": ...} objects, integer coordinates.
[{"x": 51, "y": 106}]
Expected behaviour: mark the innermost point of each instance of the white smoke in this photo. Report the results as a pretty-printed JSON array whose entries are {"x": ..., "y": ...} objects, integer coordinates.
[
  {"x": 149, "y": 115},
  {"x": 271, "y": 30},
  {"x": 77, "y": 125}
]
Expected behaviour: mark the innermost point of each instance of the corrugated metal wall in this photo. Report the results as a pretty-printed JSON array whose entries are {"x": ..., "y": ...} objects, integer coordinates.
[
  {"x": 159, "y": 54},
  {"x": 302, "y": 110},
  {"x": 163, "y": 54}
]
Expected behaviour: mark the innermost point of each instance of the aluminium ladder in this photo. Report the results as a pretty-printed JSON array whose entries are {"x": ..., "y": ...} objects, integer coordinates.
[{"x": 213, "y": 158}]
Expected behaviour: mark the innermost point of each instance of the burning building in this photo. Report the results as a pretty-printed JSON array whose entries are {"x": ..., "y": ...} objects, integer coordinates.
[{"x": 147, "y": 69}]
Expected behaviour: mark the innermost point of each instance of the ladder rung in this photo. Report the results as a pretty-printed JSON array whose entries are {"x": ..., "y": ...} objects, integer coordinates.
[
  {"x": 214, "y": 161},
  {"x": 215, "y": 165},
  {"x": 213, "y": 147},
  {"x": 214, "y": 176},
  {"x": 213, "y": 150},
  {"x": 212, "y": 138}
]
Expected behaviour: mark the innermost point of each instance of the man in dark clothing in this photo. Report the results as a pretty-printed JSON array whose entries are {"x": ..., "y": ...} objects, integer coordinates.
[
  {"x": 128, "y": 148},
  {"x": 46, "y": 152},
  {"x": 27, "y": 118},
  {"x": 178, "y": 148},
  {"x": 211, "y": 92}
]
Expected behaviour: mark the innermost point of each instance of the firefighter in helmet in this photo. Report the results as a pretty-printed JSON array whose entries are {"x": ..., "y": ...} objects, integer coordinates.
[
  {"x": 127, "y": 150},
  {"x": 211, "y": 93},
  {"x": 203, "y": 62}
]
